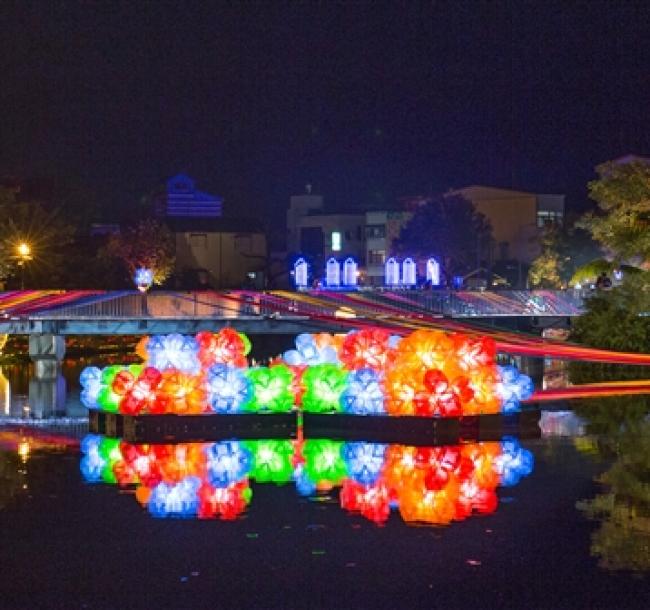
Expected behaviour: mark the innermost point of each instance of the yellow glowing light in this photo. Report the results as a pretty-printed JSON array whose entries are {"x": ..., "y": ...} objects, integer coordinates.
[
  {"x": 24, "y": 250},
  {"x": 24, "y": 449}
]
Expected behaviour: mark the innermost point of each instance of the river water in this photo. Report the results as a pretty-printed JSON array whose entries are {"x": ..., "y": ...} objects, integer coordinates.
[{"x": 560, "y": 519}]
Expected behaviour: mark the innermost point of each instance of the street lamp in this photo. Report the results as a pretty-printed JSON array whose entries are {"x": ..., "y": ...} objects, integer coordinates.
[
  {"x": 143, "y": 279},
  {"x": 24, "y": 254}
]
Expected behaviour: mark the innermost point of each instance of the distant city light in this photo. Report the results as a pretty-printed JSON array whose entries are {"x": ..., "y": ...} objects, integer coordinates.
[
  {"x": 433, "y": 272},
  {"x": 332, "y": 273},
  {"x": 350, "y": 273},
  {"x": 143, "y": 279},
  {"x": 336, "y": 241},
  {"x": 409, "y": 272},
  {"x": 391, "y": 272},
  {"x": 301, "y": 273}
]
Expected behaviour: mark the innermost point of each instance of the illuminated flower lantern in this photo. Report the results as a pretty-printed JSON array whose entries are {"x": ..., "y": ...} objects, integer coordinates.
[
  {"x": 371, "y": 502},
  {"x": 323, "y": 461},
  {"x": 178, "y": 500},
  {"x": 100, "y": 454},
  {"x": 272, "y": 460},
  {"x": 227, "y": 462},
  {"x": 224, "y": 502},
  {"x": 427, "y": 349},
  {"x": 367, "y": 348},
  {"x": 186, "y": 393},
  {"x": 271, "y": 389},
  {"x": 108, "y": 399},
  {"x": 472, "y": 353},
  {"x": 91, "y": 384},
  {"x": 363, "y": 394},
  {"x": 139, "y": 394},
  {"x": 228, "y": 389},
  {"x": 364, "y": 461},
  {"x": 304, "y": 485},
  {"x": 514, "y": 462},
  {"x": 402, "y": 385},
  {"x": 225, "y": 347},
  {"x": 324, "y": 385},
  {"x": 513, "y": 387},
  {"x": 441, "y": 398},
  {"x": 173, "y": 351},
  {"x": 310, "y": 350}
]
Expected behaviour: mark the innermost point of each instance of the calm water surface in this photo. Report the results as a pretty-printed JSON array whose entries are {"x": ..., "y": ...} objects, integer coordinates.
[{"x": 558, "y": 521}]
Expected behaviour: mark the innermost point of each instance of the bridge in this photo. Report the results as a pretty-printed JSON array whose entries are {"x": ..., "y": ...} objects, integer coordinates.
[{"x": 85, "y": 312}]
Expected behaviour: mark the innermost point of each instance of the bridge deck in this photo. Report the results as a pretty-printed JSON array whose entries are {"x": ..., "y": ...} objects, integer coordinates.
[{"x": 129, "y": 312}]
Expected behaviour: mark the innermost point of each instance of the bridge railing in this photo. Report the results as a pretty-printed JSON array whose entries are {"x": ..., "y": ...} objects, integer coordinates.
[{"x": 237, "y": 304}]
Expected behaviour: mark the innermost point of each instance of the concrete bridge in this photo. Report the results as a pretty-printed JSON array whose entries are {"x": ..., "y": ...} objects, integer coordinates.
[
  {"x": 47, "y": 316},
  {"x": 128, "y": 312}
]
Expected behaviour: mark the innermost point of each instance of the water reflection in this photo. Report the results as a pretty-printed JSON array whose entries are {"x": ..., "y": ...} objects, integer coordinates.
[
  {"x": 622, "y": 539},
  {"x": 432, "y": 485}
]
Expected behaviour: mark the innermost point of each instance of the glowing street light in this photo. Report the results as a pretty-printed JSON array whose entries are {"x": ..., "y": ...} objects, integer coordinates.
[{"x": 23, "y": 254}]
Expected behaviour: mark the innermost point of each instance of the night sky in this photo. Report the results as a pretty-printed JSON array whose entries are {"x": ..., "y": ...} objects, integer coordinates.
[{"x": 366, "y": 102}]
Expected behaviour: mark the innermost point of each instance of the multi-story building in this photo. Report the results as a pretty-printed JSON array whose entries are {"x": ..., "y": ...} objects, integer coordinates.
[
  {"x": 382, "y": 228},
  {"x": 319, "y": 235},
  {"x": 517, "y": 219},
  {"x": 211, "y": 251}
]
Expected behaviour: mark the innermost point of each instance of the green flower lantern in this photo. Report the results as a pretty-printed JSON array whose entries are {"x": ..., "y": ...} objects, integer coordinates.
[
  {"x": 271, "y": 389},
  {"x": 272, "y": 460},
  {"x": 324, "y": 384},
  {"x": 323, "y": 461}
]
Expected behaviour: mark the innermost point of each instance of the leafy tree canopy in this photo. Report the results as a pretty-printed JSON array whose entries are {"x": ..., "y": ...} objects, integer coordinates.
[
  {"x": 622, "y": 222},
  {"x": 449, "y": 228},
  {"x": 564, "y": 250},
  {"x": 148, "y": 244}
]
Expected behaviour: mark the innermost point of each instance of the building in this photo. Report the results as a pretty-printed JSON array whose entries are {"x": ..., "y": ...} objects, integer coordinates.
[
  {"x": 211, "y": 251},
  {"x": 180, "y": 198},
  {"x": 219, "y": 252},
  {"x": 319, "y": 235},
  {"x": 517, "y": 219},
  {"x": 381, "y": 230}
]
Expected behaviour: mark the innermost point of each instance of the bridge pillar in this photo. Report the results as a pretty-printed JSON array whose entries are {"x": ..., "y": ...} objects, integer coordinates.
[
  {"x": 47, "y": 396},
  {"x": 46, "y": 351}
]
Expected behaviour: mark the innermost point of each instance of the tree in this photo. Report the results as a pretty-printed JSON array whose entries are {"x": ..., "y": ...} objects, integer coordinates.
[
  {"x": 564, "y": 249},
  {"x": 148, "y": 244},
  {"x": 46, "y": 232},
  {"x": 449, "y": 228},
  {"x": 622, "y": 222}
]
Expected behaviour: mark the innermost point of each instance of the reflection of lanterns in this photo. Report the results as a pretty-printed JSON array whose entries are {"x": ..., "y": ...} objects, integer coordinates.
[{"x": 143, "y": 279}]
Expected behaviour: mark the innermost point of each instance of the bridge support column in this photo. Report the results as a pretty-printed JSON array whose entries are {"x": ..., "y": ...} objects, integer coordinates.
[{"x": 46, "y": 351}]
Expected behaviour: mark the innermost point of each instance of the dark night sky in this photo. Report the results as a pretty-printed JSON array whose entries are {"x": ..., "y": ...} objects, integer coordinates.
[{"x": 367, "y": 102}]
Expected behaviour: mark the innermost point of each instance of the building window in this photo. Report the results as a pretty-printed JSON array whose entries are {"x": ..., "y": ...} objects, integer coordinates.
[
  {"x": 198, "y": 240},
  {"x": 376, "y": 257},
  {"x": 336, "y": 241},
  {"x": 375, "y": 231},
  {"x": 545, "y": 217}
]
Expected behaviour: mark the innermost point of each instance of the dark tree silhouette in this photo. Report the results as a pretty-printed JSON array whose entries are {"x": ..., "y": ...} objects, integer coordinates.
[{"x": 449, "y": 228}]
